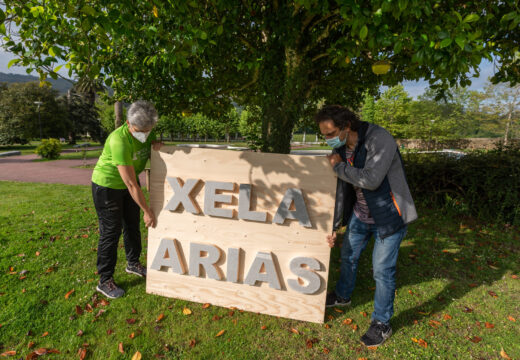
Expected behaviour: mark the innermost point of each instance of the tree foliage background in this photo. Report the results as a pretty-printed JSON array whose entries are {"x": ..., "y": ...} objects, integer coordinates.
[{"x": 283, "y": 57}]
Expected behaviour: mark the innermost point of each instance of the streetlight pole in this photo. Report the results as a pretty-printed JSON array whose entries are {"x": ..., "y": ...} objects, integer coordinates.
[
  {"x": 38, "y": 103},
  {"x": 431, "y": 128}
]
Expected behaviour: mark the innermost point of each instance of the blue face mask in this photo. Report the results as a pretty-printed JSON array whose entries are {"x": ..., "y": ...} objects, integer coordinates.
[{"x": 335, "y": 142}]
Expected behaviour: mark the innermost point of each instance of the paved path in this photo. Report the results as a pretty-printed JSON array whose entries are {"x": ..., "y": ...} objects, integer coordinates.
[{"x": 23, "y": 168}]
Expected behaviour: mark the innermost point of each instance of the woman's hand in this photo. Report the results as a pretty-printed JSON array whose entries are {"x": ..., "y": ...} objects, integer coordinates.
[
  {"x": 331, "y": 239},
  {"x": 156, "y": 145},
  {"x": 149, "y": 219}
]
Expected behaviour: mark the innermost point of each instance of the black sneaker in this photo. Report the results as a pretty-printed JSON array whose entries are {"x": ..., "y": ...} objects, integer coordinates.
[
  {"x": 136, "y": 269},
  {"x": 110, "y": 289},
  {"x": 335, "y": 300},
  {"x": 376, "y": 334}
]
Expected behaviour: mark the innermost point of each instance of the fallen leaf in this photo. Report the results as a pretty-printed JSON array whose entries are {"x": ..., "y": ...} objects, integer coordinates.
[
  {"x": 132, "y": 335},
  {"x": 45, "y": 334},
  {"x": 330, "y": 317},
  {"x": 69, "y": 294},
  {"x": 493, "y": 267},
  {"x": 473, "y": 285},
  {"x": 186, "y": 311},
  {"x": 120, "y": 348},
  {"x": 130, "y": 321},
  {"x": 362, "y": 359},
  {"x": 99, "y": 313},
  {"x": 489, "y": 325},
  {"x": 263, "y": 327},
  {"x": 475, "y": 339},
  {"x": 215, "y": 318},
  {"x": 137, "y": 356},
  {"x": 192, "y": 343},
  {"x": 30, "y": 345},
  {"x": 364, "y": 314},
  {"x": 513, "y": 277},
  {"x": 493, "y": 294},
  {"x": 504, "y": 355},
  {"x": 23, "y": 277},
  {"x": 206, "y": 305},
  {"x": 37, "y": 253},
  {"x": 79, "y": 310},
  {"x": 89, "y": 308},
  {"x": 134, "y": 311},
  {"x": 347, "y": 321},
  {"x": 82, "y": 353},
  {"x": 8, "y": 353},
  {"x": 325, "y": 350},
  {"x": 79, "y": 333},
  {"x": 338, "y": 310},
  {"x": 159, "y": 318},
  {"x": 354, "y": 327},
  {"x": 41, "y": 351},
  {"x": 447, "y": 317},
  {"x": 434, "y": 323},
  {"x": 84, "y": 236},
  {"x": 293, "y": 330},
  {"x": 326, "y": 326},
  {"x": 423, "y": 313},
  {"x": 423, "y": 343},
  {"x": 104, "y": 302},
  {"x": 231, "y": 313},
  {"x": 510, "y": 318},
  {"x": 110, "y": 332},
  {"x": 220, "y": 333}
]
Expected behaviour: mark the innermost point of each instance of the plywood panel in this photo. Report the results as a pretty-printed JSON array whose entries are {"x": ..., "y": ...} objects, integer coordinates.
[{"x": 270, "y": 176}]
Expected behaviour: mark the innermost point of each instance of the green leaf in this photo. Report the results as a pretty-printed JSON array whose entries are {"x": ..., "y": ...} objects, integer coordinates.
[
  {"x": 88, "y": 10},
  {"x": 471, "y": 18},
  {"x": 203, "y": 35},
  {"x": 458, "y": 15},
  {"x": 446, "y": 42},
  {"x": 193, "y": 4},
  {"x": 2, "y": 28},
  {"x": 12, "y": 62},
  {"x": 51, "y": 51},
  {"x": 152, "y": 28},
  {"x": 403, "y": 4},
  {"x": 2, "y": 16},
  {"x": 363, "y": 32},
  {"x": 508, "y": 16},
  {"x": 57, "y": 68},
  {"x": 460, "y": 40},
  {"x": 220, "y": 30}
]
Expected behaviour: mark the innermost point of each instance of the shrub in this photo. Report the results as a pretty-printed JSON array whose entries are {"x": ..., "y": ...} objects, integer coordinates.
[
  {"x": 483, "y": 184},
  {"x": 49, "y": 149}
]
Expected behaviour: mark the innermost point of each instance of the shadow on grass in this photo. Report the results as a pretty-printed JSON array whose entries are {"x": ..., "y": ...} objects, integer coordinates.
[{"x": 462, "y": 252}]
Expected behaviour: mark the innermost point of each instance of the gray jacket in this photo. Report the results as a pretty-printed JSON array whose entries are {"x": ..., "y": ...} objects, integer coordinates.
[{"x": 382, "y": 160}]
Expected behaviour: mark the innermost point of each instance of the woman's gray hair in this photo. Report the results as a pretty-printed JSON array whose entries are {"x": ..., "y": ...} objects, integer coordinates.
[{"x": 142, "y": 114}]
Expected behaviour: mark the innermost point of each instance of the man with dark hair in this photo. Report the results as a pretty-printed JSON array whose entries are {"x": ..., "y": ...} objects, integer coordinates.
[{"x": 372, "y": 198}]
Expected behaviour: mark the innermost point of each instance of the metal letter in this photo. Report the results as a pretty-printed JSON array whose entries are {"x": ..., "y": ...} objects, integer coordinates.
[
  {"x": 173, "y": 260},
  {"x": 181, "y": 195},
  {"x": 313, "y": 279},
  {"x": 232, "y": 265},
  {"x": 208, "y": 262},
  {"x": 244, "y": 204},
  {"x": 211, "y": 197},
  {"x": 300, "y": 212},
  {"x": 270, "y": 275}
]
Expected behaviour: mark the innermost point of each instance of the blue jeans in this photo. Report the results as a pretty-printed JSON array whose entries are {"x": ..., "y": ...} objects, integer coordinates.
[{"x": 384, "y": 258}]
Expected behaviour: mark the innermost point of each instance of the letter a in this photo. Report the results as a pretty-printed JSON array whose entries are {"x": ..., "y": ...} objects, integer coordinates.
[{"x": 300, "y": 210}]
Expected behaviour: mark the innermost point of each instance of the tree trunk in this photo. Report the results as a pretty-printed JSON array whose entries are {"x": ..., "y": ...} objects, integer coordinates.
[{"x": 118, "y": 109}]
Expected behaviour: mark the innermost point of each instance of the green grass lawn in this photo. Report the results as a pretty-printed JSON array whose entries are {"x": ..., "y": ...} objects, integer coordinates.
[
  {"x": 457, "y": 285},
  {"x": 31, "y": 147}
]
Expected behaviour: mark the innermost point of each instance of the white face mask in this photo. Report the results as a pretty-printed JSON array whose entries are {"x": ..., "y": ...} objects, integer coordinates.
[{"x": 141, "y": 136}]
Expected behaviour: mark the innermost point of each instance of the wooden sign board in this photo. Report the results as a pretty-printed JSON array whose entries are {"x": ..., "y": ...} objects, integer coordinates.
[{"x": 241, "y": 229}]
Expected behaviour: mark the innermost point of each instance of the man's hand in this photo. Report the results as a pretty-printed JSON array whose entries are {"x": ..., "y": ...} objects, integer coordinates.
[
  {"x": 156, "y": 145},
  {"x": 331, "y": 239},
  {"x": 334, "y": 159},
  {"x": 149, "y": 219}
]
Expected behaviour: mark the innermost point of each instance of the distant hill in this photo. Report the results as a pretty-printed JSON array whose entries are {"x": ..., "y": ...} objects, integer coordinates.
[{"x": 61, "y": 85}]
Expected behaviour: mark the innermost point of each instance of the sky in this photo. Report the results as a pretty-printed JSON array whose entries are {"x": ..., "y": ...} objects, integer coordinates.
[{"x": 414, "y": 88}]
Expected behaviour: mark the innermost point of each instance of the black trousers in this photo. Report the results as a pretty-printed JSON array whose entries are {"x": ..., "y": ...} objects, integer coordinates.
[{"x": 116, "y": 210}]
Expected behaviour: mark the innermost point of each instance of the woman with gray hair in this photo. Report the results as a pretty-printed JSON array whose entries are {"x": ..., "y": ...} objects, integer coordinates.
[{"x": 118, "y": 197}]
